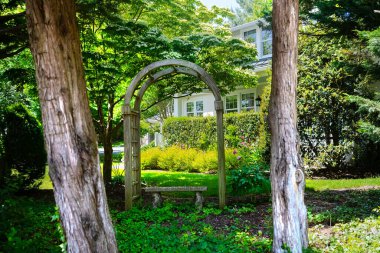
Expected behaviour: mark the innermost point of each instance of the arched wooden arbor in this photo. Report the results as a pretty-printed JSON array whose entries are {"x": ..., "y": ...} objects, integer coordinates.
[{"x": 131, "y": 117}]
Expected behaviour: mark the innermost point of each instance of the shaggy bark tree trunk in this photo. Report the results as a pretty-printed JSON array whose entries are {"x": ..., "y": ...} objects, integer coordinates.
[
  {"x": 287, "y": 177},
  {"x": 69, "y": 133}
]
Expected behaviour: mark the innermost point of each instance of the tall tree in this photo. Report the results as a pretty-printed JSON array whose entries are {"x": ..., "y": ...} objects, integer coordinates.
[
  {"x": 287, "y": 176},
  {"x": 68, "y": 130}
]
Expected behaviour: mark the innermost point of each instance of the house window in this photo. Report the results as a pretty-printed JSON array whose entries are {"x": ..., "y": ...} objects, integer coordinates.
[
  {"x": 250, "y": 36},
  {"x": 231, "y": 103},
  {"x": 267, "y": 42},
  {"x": 194, "y": 108},
  {"x": 190, "y": 109},
  {"x": 199, "y": 108},
  {"x": 247, "y": 101}
]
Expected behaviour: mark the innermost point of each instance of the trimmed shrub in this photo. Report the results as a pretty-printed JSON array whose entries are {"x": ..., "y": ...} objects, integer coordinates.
[{"x": 200, "y": 132}]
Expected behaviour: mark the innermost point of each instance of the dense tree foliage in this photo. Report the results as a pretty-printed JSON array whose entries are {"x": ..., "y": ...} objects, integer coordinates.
[
  {"x": 326, "y": 121},
  {"x": 22, "y": 152},
  {"x": 341, "y": 17},
  {"x": 13, "y": 39},
  {"x": 338, "y": 70}
]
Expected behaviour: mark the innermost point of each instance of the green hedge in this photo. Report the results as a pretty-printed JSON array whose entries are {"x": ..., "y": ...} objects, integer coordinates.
[{"x": 200, "y": 132}]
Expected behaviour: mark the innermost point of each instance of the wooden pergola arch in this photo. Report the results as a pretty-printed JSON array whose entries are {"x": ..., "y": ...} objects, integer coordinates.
[{"x": 131, "y": 117}]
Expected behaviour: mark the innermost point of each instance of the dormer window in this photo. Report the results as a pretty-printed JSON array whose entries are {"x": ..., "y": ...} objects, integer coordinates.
[{"x": 262, "y": 38}]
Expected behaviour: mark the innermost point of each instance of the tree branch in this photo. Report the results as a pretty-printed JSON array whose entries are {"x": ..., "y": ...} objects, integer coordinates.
[{"x": 163, "y": 99}]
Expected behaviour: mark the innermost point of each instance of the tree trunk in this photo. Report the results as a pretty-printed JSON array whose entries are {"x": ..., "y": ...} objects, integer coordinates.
[
  {"x": 287, "y": 177},
  {"x": 68, "y": 130},
  {"x": 107, "y": 165}
]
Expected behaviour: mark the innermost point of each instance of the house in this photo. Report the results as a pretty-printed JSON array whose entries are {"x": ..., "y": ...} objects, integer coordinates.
[{"x": 242, "y": 99}]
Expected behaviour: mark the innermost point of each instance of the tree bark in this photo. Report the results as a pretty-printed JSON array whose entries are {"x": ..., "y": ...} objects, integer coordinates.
[
  {"x": 68, "y": 130},
  {"x": 287, "y": 177},
  {"x": 108, "y": 151}
]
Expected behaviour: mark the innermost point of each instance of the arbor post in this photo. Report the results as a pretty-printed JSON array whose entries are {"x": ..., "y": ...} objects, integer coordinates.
[
  {"x": 128, "y": 180},
  {"x": 221, "y": 154}
]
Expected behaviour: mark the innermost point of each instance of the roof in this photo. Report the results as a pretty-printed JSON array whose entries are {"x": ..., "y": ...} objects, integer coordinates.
[{"x": 261, "y": 63}]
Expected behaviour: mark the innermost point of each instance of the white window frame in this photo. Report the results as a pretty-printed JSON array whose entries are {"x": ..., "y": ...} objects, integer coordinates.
[
  {"x": 247, "y": 38},
  {"x": 195, "y": 111},
  {"x": 259, "y": 41},
  {"x": 264, "y": 41},
  {"x": 227, "y": 110},
  {"x": 190, "y": 113},
  {"x": 248, "y": 108}
]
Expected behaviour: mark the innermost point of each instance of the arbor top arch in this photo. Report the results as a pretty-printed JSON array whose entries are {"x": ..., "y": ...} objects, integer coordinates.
[{"x": 174, "y": 66}]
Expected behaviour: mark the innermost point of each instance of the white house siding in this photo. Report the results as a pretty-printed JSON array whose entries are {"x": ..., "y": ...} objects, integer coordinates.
[{"x": 180, "y": 104}]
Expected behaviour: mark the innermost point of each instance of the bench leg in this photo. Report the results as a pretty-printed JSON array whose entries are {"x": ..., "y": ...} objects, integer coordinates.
[
  {"x": 198, "y": 200},
  {"x": 157, "y": 199}
]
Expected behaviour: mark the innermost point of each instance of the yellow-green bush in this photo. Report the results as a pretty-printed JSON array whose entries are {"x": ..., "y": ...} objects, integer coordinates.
[
  {"x": 205, "y": 161},
  {"x": 183, "y": 159},
  {"x": 176, "y": 158},
  {"x": 149, "y": 158}
]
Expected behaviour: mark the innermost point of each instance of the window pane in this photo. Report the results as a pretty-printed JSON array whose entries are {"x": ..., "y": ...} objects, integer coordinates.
[
  {"x": 189, "y": 107},
  {"x": 267, "y": 47},
  {"x": 199, "y": 106},
  {"x": 267, "y": 42},
  {"x": 231, "y": 103},
  {"x": 250, "y": 36},
  {"x": 267, "y": 35},
  {"x": 248, "y": 101}
]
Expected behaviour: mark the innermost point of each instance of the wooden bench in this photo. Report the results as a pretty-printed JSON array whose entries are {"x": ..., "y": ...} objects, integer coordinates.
[{"x": 157, "y": 199}]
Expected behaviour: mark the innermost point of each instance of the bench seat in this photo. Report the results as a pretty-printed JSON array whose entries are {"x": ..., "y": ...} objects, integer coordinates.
[{"x": 157, "y": 199}]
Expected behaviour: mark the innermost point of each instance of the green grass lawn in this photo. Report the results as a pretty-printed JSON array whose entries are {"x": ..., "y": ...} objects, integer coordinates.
[
  {"x": 334, "y": 184},
  {"x": 165, "y": 178}
]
